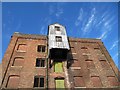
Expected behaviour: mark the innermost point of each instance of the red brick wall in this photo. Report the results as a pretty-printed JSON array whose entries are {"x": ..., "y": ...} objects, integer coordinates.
[
  {"x": 85, "y": 67},
  {"x": 20, "y": 58}
]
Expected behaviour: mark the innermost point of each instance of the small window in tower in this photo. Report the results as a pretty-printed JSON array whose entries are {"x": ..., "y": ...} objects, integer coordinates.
[
  {"x": 57, "y": 28},
  {"x": 58, "y": 39},
  {"x": 40, "y": 62},
  {"x": 41, "y": 48},
  {"x": 38, "y": 81}
]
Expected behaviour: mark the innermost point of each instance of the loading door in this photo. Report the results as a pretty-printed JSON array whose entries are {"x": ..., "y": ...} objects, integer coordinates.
[
  {"x": 59, "y": 84},
  {"x": 58, "y": 67}
]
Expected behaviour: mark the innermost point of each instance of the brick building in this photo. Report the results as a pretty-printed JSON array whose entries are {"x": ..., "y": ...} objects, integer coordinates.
[{"x": 27, "y": 63}]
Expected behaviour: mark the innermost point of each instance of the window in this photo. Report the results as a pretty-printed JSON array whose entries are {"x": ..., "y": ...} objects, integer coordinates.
[
  {"x": 57, "y": 28},
  {"x": 96, "y": 81},
  {"x": 41, "y": 48},
  {"x": 104, "y": 64},
  {"x": 38, "y": 81},
  {"x": 58, "y": 39},
  {"x": 22, "y": 47},
  {"x": 18, "y": 61},
  {"x": 75, "y": 63},
  {"x": 112, "y": 80},
  {"x": 13, "y": 81},
  {"x": 90, "y": 63},
  {"x": 40, "y": 62},
  {"x": 79, "y": 81}
]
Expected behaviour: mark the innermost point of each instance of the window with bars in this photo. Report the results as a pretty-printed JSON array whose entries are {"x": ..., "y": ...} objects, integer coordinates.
[
  {"x": 41, "y": 48},
  {"x": 40, "y": 62},
  {"x": 38, "y": 81}
]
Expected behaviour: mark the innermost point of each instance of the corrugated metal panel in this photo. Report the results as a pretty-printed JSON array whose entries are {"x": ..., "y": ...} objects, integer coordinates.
[{"x": 61, "y": 32}]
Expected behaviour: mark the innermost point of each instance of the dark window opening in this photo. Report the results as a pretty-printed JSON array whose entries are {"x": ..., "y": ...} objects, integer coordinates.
[
  {"x": 38, "y": 81},
  {"x": 57, "y": 28},
  {"x": 58, "y": 39},
  {"x": 40, "y": 62},
  {"x": 41, "y": 82},
  {"x": 41, "y": 48}
]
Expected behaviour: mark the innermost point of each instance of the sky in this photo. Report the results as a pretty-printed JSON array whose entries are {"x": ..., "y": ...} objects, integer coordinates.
[{"x": 81, "y": 19}]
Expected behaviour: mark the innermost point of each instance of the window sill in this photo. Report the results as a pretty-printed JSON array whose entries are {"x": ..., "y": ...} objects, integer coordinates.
[
  {"x": 38, "y": 87},
  {"x": 40, "y": 67},
  {"x": 20, "y": 51},
  {"x": 17, "y": 66}
]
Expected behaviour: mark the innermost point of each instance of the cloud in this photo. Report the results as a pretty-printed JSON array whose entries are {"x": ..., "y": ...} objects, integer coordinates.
[
  {"x": 42, "y": 30},
  {"x": 45, "y": 22},
  {"x": 90, "y": 21},
  {"x": 51, "y": 10},
  {"x": 116, "y": 55},
  {"x": 103, "y": 35},
  {"x": 56, "y": 10},
  {"x": 106, "y": 27},
  {"x": 59, "y": 11},
  {"x": 18, "y": 26},
  {"x": 79, "y": 18},
  {"x": 114, "y": 44}
]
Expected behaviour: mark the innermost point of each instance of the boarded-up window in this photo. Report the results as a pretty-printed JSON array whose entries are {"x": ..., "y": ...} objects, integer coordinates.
[
  {"x": 21, "y": 47},
  {"x": 13, "y": 82},
  {"x": 79, "y": 81},
  {"x": 101, "y": 57},
  {"x": 112, "y": 81},
  {"x": 104, "y": 64},
  {"x": 96, "y": 81},
  {"x": 75, "y": 63},
  {"x": 18, "y": 61},
  {"x": 98, "y": 51},
  {"x": 77, "y": 72},
  {"x": 90, "y": 63}
]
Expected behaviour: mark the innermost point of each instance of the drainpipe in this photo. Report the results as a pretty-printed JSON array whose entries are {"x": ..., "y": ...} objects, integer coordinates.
[{"x": 47, "y": 65}]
